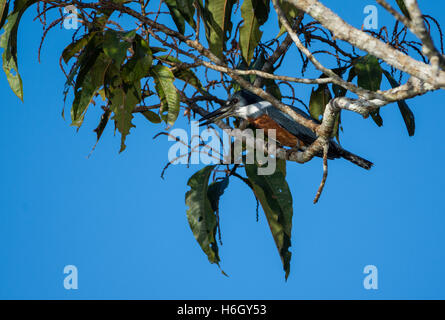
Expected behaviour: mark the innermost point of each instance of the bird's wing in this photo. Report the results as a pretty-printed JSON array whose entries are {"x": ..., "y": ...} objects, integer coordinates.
[
  {"x": 303, "y": 133},
  {"x": 306, "y": 135}
]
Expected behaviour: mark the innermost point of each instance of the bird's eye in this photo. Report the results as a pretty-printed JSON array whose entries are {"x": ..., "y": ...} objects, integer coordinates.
[{"x": 234, "y": 101}]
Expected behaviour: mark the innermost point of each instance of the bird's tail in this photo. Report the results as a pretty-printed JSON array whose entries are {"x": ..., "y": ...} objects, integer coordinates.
[{"x": 356, "y": 159}]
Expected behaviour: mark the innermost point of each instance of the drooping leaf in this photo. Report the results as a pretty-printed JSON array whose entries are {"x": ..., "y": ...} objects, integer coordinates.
[
  {"x": 369, "y": 76},
  {"x": 155, "y": 50},
  {"x": 90, "y": 79},
  {"x": 273, "y": 88},
  {"x": 281, "y": 165},
  {"x": 186, "y": 75},
  {"x": 369, "y": 72},
  {"x": 8, "y": 42},
  {"x": 290, "y": 11},
  {"x": 275, "y": 197},
  {"x": 200, "y": 214},
  {"x": 116, "y": 44},
  {"x": 187, "y": 9},
  {"x": 218, "y": 26},
  {"x": 99, "y": 53},
  {"x": 393, "y": 82},
  {"x": 176, "y": 15},
  {"x": 101, "y": 19},
  {"x": 318, "y": 101},
  {"x": 125, "y": 115},
  {"x": 138, "y": 66},
  {"x": 76, "y": 46},
  {"x": 254, "y": 14},
  {"x": 123, "y": 98},
  {"x": 182, "y": 10},
  {"x": 375, "y": 115},
  {"x": 122, "y": 116},
  {"x": 401, "y": 4},
  {"x": 340, "y": 91},
  {"x": 215, "y": 191},
  {"x": 101, "y": 126},
  {"x": 82, "y": 66},
  {"x": 151, "y": 116},
  {"x": 408, "y": 117},
  {"x": 167, "y": 93},
  {"x": 4, "y": 9},
  {"x": 317, "y": 105},
  {"x": 405, "y": 111}
]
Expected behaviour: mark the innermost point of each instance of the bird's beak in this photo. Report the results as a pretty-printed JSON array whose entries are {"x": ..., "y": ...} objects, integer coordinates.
[{"x": 216, "y": 115}]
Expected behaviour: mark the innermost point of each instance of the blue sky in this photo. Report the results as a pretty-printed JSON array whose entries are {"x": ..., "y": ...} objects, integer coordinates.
[{"x": 125, "y": 229}]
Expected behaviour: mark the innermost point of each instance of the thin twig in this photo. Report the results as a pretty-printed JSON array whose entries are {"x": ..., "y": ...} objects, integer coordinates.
[{"x": 325, "y": 172}]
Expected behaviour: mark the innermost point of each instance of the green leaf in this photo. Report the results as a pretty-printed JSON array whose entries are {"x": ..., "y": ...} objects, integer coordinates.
[
  {"x": 317, "y": 105},
  {"x": 181, "y": 11},
  {"x": 254, "y": 14},
  {"x": 176, "y": 14},
  {"x": 151, "y": 116},
  {"x": 122, "y": 112},
  {"x": 276, "y": 200},
  {"x": 200, "y": 214},
  {"x": 281, "y": 165},
  {"x": 8, "y": 42},
  {"x": 117, "y": 43},
  {"x": 123, "y": 99},
  {"x": 138, "y": 66},
  {"x": 187, "y": 10},
  {"x": 318, "y": 101},
  {"x": 124, "y": 116},
  {"x": 369, "y": 76},
  {"x": 102, "y": 124},
  {"x": 408, "y": 117},
  {"x": 76, "y": 46},
  {"x": 167, "y": 93},
  {"x": 218, "y": 26},
  {"x": 407, "y": 114},
  {"x": 88, "y": 82},
  {"x": 186, "y": 75},
  {"x": 4, "y": 9},
  {"x": 82, "y": 66},
  {"x": 369, "y": 72},
  {"x": 215, "y": 191},
  {"x": 401, "y": 4},
  {"x": 155, "y": 50},
  {"x": 290, "y": 11},
  {"x": 273, "y": 88},
  {"x": 375, "y": 115},
  {"x": 339, "y": 91}
]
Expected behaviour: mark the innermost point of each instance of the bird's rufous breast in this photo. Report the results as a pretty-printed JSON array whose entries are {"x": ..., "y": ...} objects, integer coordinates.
[{"x": 284, "y": 137}]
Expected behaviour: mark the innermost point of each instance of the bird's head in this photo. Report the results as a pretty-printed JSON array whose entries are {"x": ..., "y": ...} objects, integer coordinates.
[{"x": 237, "y": 101}]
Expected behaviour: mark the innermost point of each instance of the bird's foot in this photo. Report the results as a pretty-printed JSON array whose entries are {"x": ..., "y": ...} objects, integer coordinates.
[
  {"x": 293, "y": 149},
  {"x": 290, "y": 151}
]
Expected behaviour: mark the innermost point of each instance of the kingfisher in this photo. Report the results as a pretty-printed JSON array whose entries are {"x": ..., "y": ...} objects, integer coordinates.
[{"x": 262, "y": 114}]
